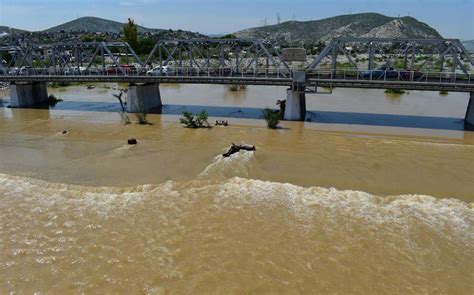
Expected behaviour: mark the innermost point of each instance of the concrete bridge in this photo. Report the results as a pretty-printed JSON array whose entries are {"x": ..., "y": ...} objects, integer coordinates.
[{"x": 410, "y": 64}]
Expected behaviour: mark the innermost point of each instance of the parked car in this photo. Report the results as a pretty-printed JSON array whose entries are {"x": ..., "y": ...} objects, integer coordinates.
[{"x": 381, "y": 73}]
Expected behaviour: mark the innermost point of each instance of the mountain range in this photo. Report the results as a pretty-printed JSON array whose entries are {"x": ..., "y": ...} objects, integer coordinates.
[
  {"x": 357, "y": 25},
  {"x": 94, "y": 24},
  {"x": 287, "y": 33}
]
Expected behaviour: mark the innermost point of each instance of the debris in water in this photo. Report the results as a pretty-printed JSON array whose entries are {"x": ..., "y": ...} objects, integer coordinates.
[
  {"x": 222, "y": 123},
  {"x": 132, "y": 141},
  {"x": 236, "y": 148}
]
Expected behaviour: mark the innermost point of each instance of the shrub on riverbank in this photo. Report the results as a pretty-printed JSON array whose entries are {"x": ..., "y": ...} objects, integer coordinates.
[{"x": 195, "y": 121}]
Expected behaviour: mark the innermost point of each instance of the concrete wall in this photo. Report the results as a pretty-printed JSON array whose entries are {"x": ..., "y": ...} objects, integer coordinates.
[
  {"x": 143, "y": 98},
  {"x": 469, "y": 119},
  {"x": 28, "y": 94},
  {"x": 295, "y": 109}
]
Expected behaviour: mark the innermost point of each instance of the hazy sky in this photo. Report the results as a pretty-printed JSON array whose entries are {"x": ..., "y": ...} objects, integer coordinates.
[{"x": 452, "y": 18}]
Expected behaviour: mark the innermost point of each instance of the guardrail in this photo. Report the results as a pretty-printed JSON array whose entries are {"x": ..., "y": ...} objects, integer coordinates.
[
  {"x": 166, "y": 71},
  {"x": 229, "y": 72},
  {"x": 392, "y": 75}
]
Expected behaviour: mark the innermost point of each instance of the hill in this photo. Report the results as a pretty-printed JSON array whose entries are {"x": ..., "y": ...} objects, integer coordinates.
[
  {"x": 357, "y": 25},
  {"x": 5, "y": 29},
  {"x": 93, "y": 25},
  {"x": 99, "y": 25}
]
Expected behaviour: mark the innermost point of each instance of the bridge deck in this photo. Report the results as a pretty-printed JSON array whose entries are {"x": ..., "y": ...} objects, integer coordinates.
[{"x": 433, "y": 84}]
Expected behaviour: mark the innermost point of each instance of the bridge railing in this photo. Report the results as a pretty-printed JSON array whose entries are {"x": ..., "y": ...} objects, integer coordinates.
[
  {"x": 232, "y": 72},
  {"x": 243, "y": 72},
  {"x": 392, "y": 75}
]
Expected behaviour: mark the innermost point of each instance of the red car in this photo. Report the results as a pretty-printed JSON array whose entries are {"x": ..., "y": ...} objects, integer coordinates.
[{"x": 114, "y": 70}]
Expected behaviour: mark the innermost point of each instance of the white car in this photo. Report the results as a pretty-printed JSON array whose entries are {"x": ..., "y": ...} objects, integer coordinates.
[
  {"x": 13, "y": 71},
  {"x": 159, "y": 71}
]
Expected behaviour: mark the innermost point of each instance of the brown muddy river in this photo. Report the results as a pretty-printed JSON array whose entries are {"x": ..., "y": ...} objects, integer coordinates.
[{"x": 374, "y": 195}]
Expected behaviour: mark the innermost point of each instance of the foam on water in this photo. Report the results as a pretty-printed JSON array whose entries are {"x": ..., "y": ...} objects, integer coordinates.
[
  {"x": 440, "y": 214},
  {"x": 192, "y": 232},
  {"x": 239, "y": 164},
  {"x": 98, "y": 199}
]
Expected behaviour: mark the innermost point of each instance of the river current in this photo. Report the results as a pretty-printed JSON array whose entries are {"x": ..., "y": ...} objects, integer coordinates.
[{"x": 317, "y": 208}]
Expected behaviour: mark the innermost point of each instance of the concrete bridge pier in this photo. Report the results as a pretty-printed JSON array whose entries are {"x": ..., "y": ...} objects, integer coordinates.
[
  {"x": 469, "y": 118},
  {"x": 28, "y": 94},
  {"x": 143, "y": 97},
  {"x": 295, "y": 109}
]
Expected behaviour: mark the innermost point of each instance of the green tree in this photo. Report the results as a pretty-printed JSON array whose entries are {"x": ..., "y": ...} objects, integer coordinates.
[
  {"x": 228, "y": 36},
  {"x": 130, "y": 31},
  {"x": 87, "y": 38},
  {"x": 146, "y": 45}
]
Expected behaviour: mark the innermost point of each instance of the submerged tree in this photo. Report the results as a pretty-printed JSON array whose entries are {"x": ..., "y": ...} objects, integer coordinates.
[
  {"x": 197, "y": 121},
  {"x": 123, "y": 113},
  {"x": 272, "y": 117}
]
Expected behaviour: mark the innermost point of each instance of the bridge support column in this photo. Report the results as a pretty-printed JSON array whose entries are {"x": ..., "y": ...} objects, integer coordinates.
[
  {"x": 143, "y": 98},
  {"x": 469, "y": 118},
  {"x": 295, "y": 109},
  {"x": 28, "y": 94}
]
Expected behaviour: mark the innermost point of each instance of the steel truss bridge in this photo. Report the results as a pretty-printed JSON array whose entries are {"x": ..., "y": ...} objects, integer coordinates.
[{"x": 416, "y": 64}]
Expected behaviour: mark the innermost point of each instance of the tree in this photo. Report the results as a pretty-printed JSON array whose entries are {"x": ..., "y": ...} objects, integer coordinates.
[
  {"x": 228, "y": 36},
  {"x": 195, "y": 121},
  {"x": 146, "y": 45},
  {"x": 272, "y": 117},
  {"x": 130, "y": 31}
]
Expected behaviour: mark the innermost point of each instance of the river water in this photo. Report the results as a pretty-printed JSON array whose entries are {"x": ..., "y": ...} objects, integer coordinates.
[{"x": 373, "y": 195}]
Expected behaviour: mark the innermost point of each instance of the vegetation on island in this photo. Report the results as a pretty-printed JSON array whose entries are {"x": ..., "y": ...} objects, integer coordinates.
[
  {"x": 395, "y": 91},
  {"x": 141, "y": 117},
  {"x": 195, "y": 121},
  {"x": 237, "y": 87},
  {"x": 272, "y": 117}
]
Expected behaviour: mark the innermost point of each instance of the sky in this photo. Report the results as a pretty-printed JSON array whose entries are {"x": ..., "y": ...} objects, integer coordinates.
[{"x": 452, "y": 18}]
